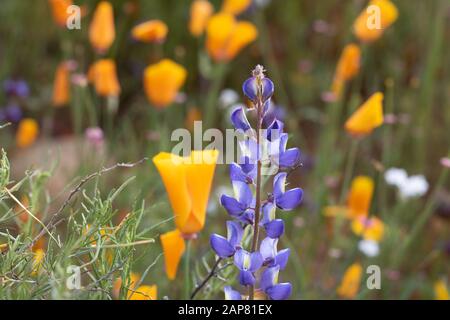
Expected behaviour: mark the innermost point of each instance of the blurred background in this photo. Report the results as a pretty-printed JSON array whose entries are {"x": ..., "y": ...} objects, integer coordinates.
[{"x": 65, "y": 115}]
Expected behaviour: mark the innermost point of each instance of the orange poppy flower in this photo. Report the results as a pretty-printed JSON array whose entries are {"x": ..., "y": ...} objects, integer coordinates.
[
  {"x": 134, "y": 279},
  {"x": 235, "y": 7},
  {"x": 103, "y": 74},
  {"x": 375, "y": 18},
  {"x": 102, "y": 30},
  {"x": 347, "y": 67},
  {"x": 150, "y": 31},
  {"x": 201, "y": 11},
  {"x": 145, "y": 293},
  {"x": 351, "y": 281},
  {"x": 61, "y": 85},
  {"x": 59, "y": 11},
  {"x": 162, "y": 82},
  {"x": 368, "y": 117},
  {"x": 193, "y": 114},
  {"x": 173, "y": 247},
  {"x": 226, "y": 36},
  {"x": 440, "y": 290},
  {"x": 369, "y": 228},
  {"x": 27, "y": 132}
]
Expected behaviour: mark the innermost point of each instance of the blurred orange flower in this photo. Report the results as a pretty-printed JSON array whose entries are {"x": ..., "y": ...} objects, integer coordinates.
[
  {"x": 201, "y": 11},
  {"x": 61, "y": 85},
  {"x": 173, "y": 247},
  {"x": 102, "y": 30},
  {"x": 145, "y": 293},
  {"x": 347, "y": 67},
  {"x": 235, "y": 7},
  {"x": 103, "y": 75},
  {"x": 441, "y": 291},
  {"x": 351, "y": 281},
  {"x": 59, "y": 11},
  {"x": 162, "y": 82},
  {"x": 368, "y": 116},
  {"x": 27, "y": 132},
  {"x": 226, "y": 36},
  {"x": 375, "y": 18},
  {"x": 193, "y": 114},
  {"x": 150, "y": 31},
  {"x": 134, "y": 279},
  {"x": 38, "y": 260},
  {"x": 369, "y": 228},
  {"x": 360, "y": 196}
]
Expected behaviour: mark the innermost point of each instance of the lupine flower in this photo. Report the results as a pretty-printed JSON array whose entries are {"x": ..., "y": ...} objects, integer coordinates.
[
  {"x": 440, "y": 290},
  {"x": 235, "y": 7},
  {"x": 173, "y": 247},
  {"x": 144, "y": 293},
  {"x": 274, "y": 227},
  {"x": 351, "y": 281},
  {"x": 27, "y": 132},
  {"x": 12, "y": 113},
  {"x": 248, "y": 263},
  {"x": 369, "y": 228},
  {"x": 226, "y": 37},
  {"x": 226, "y": 247},
  {"x": 408, "y": 187},
  {"x": 18, "y": 88},
  {"x": 369, "y": 247},
  {"x": 59, "y": 11},
  {"x": 162, "y": 81},
  {"x": 365, "y": 27},
  {"x": 103, "y": 74},
  {"x": 271, "y": 256},
  {"x": 231, "y": 294},
  {"x": 61, "y": 85},
  {"x": 285, "y": 200},
  {"x": 102, "y": 30},
  {"x": 367, "y": 117},
  {"x": 347, "y": 68},
  {"x": 200, "y": 12},
  {"x": 270, "y": 285},
  {"x": 150, "y": 31}
]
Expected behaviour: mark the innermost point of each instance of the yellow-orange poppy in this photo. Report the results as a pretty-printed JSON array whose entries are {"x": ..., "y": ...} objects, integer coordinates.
[
  {"x": 347, "y": 67},
  {"x": 173, "y": 247},
  {"x": 61, "y": 85},
  {"x": 102, "y": 30},
  {"x": 367, "y": 117},
  {"x": 201, "y": 11},
  {"x": 351, "y": 281},
  {"x": 103, "y": 74},
  {"x": 235, "y": 6},
  {"x": 226, "y": 36},
  {"x": 38, "y": 260},
  {"x": 59, "y": 11},
  {"x": 162, "y": 81},
  {"x": 374, "y": 19},
  {"x": 369, "y": 228},
  {"x": 144, "y": 293},
  {"x": 27, "y": 132},
  {"x": 150, "y": 31},
  {"x": 440, "y": 290},
  {"x": 193, "y": 114},
  {"x": 134, "y": 279}
]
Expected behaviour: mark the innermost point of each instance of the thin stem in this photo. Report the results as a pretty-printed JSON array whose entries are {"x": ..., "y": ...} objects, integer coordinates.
[
  {"x": 211, "y": 100},
  {"x": 349, "y": 169},
  {"x": 208, "y": 277},
  {"x": 186, "y": 269}
]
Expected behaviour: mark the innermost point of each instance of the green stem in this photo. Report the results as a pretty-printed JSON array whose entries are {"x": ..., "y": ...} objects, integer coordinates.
[
  {"x": 214, "y": 91},
  {"x": 349, "y": 169},
  {"x": 187, "y": 279}
]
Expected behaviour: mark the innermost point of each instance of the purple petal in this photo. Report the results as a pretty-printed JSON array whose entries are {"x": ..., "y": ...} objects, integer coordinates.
[
  {"x": 282, "y": 257},
  {"x": 232, "y": 206},
  {"x": 268, "y": 89},
  {"x": 237, "y": 174},
  {"x": 231, "y": 294},
  {"x": 275, "y": 130},
  {"x": 268, "y": 248},
  {"x": 280, "y": 291},
  {"x": 239, "y": 119},
  {"x": 243, "y": 193},
  {"x": 246, "y": 278},
  {"x": 250, "y": 89},
  {"x": 221, "y": 246},
  {"x": 290, "y": 199},
  {"x": 269, "y": 278},
  {"x": 268, "y": 213},
  {"x": 279, "y": 183},
  {"x": 274, "y": 228},
  {"x": 241, "y": 257},
  {"x": 256, "y": 261},
  {"x": 290, "y": 158},
  {"x": 248, "y": 217},
  {"x": 234, "y": 232}
]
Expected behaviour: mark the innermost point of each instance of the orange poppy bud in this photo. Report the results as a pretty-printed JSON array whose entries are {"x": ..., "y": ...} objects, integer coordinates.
[
  {"x": 375, "y": 18},
  {"x": 188, "y": 183},
  {"x": 367, "y": 117},
  {"x": 103, "y": 74},
  {"x": 59, "y": 11},
  {"x": 61, "y": 85},
  {"x": 150, "y": 31},
  {"x": 347, "y": 67},
  {"x": 27, "y": 132},
  {"x": 368, "y": 228},
  {"x": 162, "y": 82},
  {"x": 351, "y": 281},
  {"x": 235, "y": 6},
  {"x": 360, "y": 196},
  {"x": 193, "y": 114},
  {"x": 201, "y": 11},
  {"x": 102, "y": 30},
  {"x": 173, "y": 247},
  {"x": 145, "y": 293},
  {"x": 226, "y": 37}
]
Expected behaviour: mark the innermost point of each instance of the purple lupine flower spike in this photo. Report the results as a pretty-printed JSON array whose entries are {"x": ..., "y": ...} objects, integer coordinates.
[
  {"x": 270, "y": 285},
  {"x": 226, "y": 247},
  {"x": 242, "y": 201},
  {"x": 285, "y": 200},
  {"x": 239, "y": 119},
  {"x": 247, "y": 263},
  {"x": 274, "y": 227},
  {"x": 272, "y": 257},
  {"x": 250, "y": 89}
]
